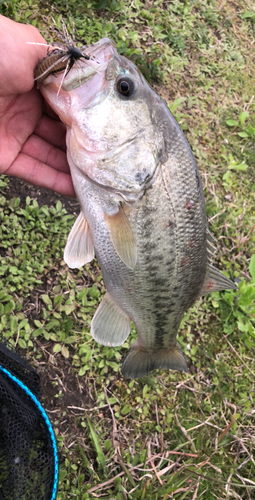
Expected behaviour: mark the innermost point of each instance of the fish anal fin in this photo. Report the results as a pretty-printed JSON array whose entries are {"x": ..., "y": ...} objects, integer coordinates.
[
  {"x": 216, "y": 281},
  {"x": 140, "y": 361},
  {"x": 122, "y": 237},
  {"x": 79, "y": 247},
  {"x": 110, "y": 325}
]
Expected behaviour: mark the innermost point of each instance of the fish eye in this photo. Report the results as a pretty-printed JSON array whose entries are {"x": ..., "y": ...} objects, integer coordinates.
[{"x": 125, "y": 86}]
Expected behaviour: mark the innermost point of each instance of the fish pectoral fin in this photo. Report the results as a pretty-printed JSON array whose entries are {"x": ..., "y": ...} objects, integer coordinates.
[
  {"x": 79, "y": 247},
  {"x": 140, "y": 361},
  {"x": 110, "y": 325},
  {"x": 122, "y": 237},
  {"x": 216, "y": 281}
]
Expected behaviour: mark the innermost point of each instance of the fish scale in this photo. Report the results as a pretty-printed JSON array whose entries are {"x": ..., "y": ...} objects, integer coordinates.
[{"x": 142, "y": 207}]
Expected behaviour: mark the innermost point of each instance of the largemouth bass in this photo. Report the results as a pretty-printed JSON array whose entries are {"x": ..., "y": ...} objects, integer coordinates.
[{"x": 142, "y": 206}]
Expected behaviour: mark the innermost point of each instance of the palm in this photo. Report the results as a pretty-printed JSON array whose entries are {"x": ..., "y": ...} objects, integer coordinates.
[{"x": 19, "y": 117}]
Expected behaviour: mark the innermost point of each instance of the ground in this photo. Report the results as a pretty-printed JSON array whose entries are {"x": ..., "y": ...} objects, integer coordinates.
[
  {"x": 18, "y": 188},
  {"x": 170, "y": 435}
]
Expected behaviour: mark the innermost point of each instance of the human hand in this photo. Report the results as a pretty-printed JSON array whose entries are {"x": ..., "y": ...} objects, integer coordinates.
[{"x": 32, "y": 143}]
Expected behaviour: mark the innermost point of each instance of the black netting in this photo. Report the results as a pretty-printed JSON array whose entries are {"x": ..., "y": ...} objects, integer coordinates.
[{"x": 28, "y": 456}]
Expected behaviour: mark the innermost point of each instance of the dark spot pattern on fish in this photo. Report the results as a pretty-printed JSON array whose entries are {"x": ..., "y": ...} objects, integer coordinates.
[
  {"x": 149, "y": 246},
  {"x": 148, "y": 210},
  {"x": 163, "y": 304},
  {"x": 161, "y": 323},
  {"x": 142, "y": 177},
  {"x": 153, "y": 258},
  {"x": 147, "y": 224},
  {"x": 170, "y": 263},
  {"x": 154, "y": 268},
  {"x": 161, "y": 283},
  {"x": 170, "y": 305}
]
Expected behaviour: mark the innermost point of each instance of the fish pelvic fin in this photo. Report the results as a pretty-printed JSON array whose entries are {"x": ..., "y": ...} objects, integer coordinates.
[
  {"x": 110, "y": 325},
  {"x": 216, "y": 281},
  {"x": 140, "y": 361},
  {"x": 122, "y": 237},
  {"x": 79, "y": 247}
]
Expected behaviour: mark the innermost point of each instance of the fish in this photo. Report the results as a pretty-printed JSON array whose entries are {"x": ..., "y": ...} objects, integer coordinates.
[{"x": 142, "y": 206}]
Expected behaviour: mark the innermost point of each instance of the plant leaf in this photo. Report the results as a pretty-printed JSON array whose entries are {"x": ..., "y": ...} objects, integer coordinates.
[
  {"x": 232, "y": 123},
  {"x": 252, "y": 267},
  {"x": 243, "y": 116},
  {"x": 97, "y": 445}
]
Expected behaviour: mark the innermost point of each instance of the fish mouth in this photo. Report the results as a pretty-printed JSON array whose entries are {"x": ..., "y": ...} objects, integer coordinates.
[
  {"x": 95, "y": 61},
  {"x": 99, "y": 55},
  {"x": 100, "y": 50}
]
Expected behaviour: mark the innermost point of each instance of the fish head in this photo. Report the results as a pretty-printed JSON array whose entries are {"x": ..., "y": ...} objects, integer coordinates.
[{"x": 111, "y": 112}]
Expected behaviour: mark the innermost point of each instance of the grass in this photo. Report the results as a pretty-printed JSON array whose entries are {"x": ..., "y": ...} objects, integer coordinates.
[{"x": 171, "y": 435}]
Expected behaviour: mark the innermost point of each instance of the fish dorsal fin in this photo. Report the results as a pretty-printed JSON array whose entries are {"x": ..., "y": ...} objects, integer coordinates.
[
  {"x": 110, "y": 325},
  {"x": 79, "y": 247},
  {"x": 211, "y": 244},
  {"x": 140, "y": 361},
  {"x": 122, "y": 237},
  {"x": 216, "y": 281}
]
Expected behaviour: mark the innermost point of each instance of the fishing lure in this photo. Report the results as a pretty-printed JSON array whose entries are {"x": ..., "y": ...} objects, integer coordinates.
[{"x": 60, "y": 57}]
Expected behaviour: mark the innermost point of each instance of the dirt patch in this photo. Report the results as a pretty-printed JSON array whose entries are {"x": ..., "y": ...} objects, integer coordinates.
[
  {"x": 62, "y": 393},
  {"x": 20, "y": 189}
]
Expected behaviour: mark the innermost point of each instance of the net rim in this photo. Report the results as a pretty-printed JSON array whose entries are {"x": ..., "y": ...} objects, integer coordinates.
[{"x": 47, "y": 422}]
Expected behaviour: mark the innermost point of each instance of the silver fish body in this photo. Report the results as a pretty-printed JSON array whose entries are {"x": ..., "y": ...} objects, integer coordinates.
[{"x": 142, "y": 205}]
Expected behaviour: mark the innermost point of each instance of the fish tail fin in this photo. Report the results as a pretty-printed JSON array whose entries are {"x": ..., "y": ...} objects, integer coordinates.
[{"x": 139, "y": 361}]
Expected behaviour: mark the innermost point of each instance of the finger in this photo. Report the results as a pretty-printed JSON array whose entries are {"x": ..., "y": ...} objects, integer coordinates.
[
  {"x": 42, "y": 175},
  {"x": 49, "y": 111},
  {"x": 41, "y": 150},
  {"x": 52, "y": 131},
  {"x": 18, "y": 58}
]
